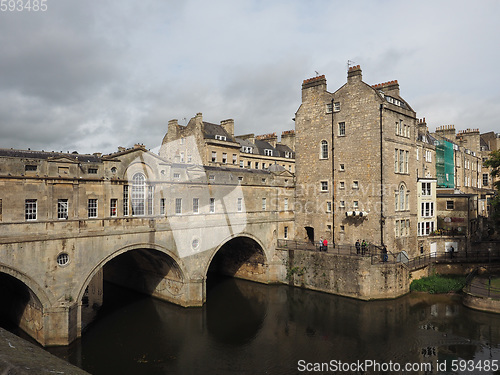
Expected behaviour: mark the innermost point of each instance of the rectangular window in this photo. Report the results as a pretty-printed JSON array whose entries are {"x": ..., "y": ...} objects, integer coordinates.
[
  {"x": 328, "y": 206},
  {"x": 235, "y": 159},
  {"x": 401, "y": 161},
  {"x": 220, "y": 137},
  {"x": 62, "y": 209},
  {"x": 240, "y": 205},
  {"x": 249, "y": 164},
  {"x": 396, "y": 163},
  {"x": 196, "y": 205},
  {"x": 329, "y": 107},
  {"x": 341, "y": 129},
  {"x": 268, "y": 152},
  {"x": 341, "y": 185},
  {"x": 189, "y": 158},
  {"x": 150, "y": 199},
  {"x": 450, "y": 205},
  {"x": 177, "y": 175},
  {"x": 342, "y": 204},
  {"x": 181, "y": 157},
  {"x": 178, "y": 206},
  {"x": 324, "y": 185},
  {"x": 355, "y": 184},
  {"x": 342, "y": 228},
  {"x": 211, "y": 177},
  {"x": 212, "y": 205},
  {"x": 396, "y": 201},
  {"x": 342, "y": 167},
  {"x": 418, "y": 155},
  {"x": 224, "y": 158},
  {"x": 241, "y": 164},
  {"x": 30, "y": 209},
  {"x": 336, "y": 107},
  {"x": 214, "y": 156},
  {"x": 286, "y": 204},
  {"x": 162, "y": 206},
  {"x": 264, "y": 204},
  {"x": 396, "y": 229},
  {"x": 92, "y": 171},
  {"x": 30, "y": 168},
  {"x": 485, "y": 179},
  {"x": 355, "y": 204},
  {"x": 113, "y": 207},
  {"x": 285, "y": 233},
  {"x": 426, "y": 188},
  {"x": 125, "y": 200},
  {"x": 256, "y": 165},
  {"x": 92, "y": 208},
  {"x": 407, "y": 155},
  {"x": 402, "y": 230}
]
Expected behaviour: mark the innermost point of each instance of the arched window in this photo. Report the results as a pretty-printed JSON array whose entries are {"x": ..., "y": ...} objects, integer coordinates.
[
  {"x": 324, "y": 149},
  {"x": 402, "y": 195},
  {"x": 138, "y": 194}
]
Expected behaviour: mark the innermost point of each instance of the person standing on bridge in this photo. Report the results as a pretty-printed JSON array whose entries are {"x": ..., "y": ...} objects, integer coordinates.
[
  {"x": 325, "y": 245},
  {"x": 321, "y": 244},
  {"x": 363, "y": 247},
  {"x": 358, "y": 247}
]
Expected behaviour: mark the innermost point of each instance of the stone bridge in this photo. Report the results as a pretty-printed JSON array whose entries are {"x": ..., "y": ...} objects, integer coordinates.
[{"x": 53, "y": 271}]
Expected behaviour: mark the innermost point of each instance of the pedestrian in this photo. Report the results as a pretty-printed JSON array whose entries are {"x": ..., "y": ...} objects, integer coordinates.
[
  {"x": 321, "y": 244},
  {"x": 325, "y": 245},
  {"x": 363, "y": 247},
  {"x": 384, "y": 254},
  {"x": 358, "y": 247}
]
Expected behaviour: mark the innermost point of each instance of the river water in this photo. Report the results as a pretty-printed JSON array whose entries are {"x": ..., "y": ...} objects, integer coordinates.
[{"x": 249, "y": 328}]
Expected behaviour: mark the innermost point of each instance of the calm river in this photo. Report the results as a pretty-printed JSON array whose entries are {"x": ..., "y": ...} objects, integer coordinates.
[{"x": 248, "y": 328}]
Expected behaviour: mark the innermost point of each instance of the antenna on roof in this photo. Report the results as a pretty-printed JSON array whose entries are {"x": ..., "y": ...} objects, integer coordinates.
[
  {"x": 350, "y": 63},
  {"x": 317, "y": 73}
]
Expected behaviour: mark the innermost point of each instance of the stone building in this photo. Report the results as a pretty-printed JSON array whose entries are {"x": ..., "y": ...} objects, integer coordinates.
[
  {"x": 356, "y": 164},
  {"x": 208, "y": 144}
]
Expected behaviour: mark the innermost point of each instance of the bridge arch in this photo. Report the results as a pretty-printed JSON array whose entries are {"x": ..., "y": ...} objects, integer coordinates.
[
  {"x": 177, "y": 262},
  {"x": 242, "y": 256},
  {"x": 29, "y": 283},
  {"x": 27, "y": 303}
]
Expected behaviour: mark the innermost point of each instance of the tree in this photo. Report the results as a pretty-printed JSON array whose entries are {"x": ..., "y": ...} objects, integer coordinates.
[{"x": 493, "y": 162}]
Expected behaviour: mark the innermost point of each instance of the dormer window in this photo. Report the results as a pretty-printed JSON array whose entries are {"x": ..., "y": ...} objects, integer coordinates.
[
  {"x": 247, "y": 150},
  {"x": 220, "y": 137},
  {"x": 268, "y": 152}
]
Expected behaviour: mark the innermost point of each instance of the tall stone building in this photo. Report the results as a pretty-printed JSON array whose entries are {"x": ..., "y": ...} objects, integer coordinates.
[{"x": 355, "y": 164}]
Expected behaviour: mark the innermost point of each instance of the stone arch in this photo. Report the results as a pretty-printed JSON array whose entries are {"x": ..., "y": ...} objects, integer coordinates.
[
  {"x": 144, "y": 246},
  {"x": 38, "y": 291},
  {"x": 258, "y": 265}
]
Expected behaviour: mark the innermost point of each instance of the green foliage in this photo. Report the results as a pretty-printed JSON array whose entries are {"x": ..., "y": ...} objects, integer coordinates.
[
  {"x": 493, "y": 162},
  {"x": 438, "y": 284}
]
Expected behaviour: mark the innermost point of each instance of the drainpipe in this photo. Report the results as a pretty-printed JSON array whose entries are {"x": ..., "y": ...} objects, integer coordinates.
[
  {"x": 333, "y": 179},
  {"x": 382, "y": 219}
]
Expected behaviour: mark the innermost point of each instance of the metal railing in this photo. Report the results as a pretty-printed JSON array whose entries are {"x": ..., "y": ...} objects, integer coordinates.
[
  {"x": 377, "y": 255},
  {"x": 482, "y": 285}
]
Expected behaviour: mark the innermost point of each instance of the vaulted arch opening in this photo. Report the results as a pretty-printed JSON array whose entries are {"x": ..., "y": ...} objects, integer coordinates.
[
  {"x": 145, "y": 272},
  {"x": 241, "y": 257},
  {"x": 20, "y": 308}
]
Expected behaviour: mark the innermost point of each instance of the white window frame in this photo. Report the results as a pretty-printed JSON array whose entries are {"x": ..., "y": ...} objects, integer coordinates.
[
  {"x": 342, "y": 129},
  {"x": 324, "y": 186},
  {"x": 212, "y": 205},
  {"x": 113, "y": 207},
  {"x": 30, "y": 209},
  {"x": 178, "y": 206},
  {"x": 62, "y": 209},
  {"x": 92, "y": 208},
  {"x": 196, "y": 205}
]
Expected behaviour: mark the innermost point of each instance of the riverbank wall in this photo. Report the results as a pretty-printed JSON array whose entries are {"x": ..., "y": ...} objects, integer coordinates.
[{"x": 348, "y": 276}]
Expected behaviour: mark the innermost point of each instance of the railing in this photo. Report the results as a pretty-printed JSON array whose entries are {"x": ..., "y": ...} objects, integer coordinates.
[
  {"x": 483, "y": 285},
  {"x": 377, "y": 255},
  {"x": 367, "y": 251}
]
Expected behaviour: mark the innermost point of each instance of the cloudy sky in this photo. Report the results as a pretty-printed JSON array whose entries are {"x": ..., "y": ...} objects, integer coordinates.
[{"x": 97, "y": 74}]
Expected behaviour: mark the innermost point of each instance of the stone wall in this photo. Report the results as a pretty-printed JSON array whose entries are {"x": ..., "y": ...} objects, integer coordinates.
[{"x": 350, "y": 276}]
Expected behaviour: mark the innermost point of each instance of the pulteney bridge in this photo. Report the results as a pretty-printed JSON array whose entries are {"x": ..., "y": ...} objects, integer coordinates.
[{"x": 53, "y": 271}]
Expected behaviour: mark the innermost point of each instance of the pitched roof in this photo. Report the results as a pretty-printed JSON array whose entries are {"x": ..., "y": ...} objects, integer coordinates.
[{"x": 44, "y": 155}]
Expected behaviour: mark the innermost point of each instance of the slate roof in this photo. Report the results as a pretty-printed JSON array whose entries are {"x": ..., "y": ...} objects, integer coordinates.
[
  {"x": 211, "y": 130},
  {"x": 44, "y": 155}
]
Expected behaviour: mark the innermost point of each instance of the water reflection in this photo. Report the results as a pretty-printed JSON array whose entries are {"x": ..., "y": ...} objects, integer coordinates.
[{"x": 247, "y": 328}]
